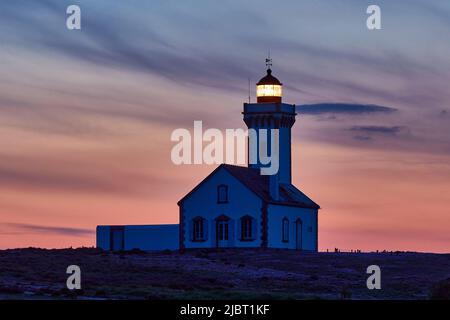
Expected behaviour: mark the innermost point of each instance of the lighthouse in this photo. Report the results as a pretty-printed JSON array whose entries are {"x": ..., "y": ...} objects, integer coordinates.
[
  {"x": 238, "y": 206},
  {"x": 269, "y": 112}
]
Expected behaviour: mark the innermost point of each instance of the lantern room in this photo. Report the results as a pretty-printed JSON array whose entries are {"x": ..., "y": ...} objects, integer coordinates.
[{"x": 269, "y": 89}]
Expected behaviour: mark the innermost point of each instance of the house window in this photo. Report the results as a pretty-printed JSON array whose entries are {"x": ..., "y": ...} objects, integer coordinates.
[
  {"x": 285, "y": 229},
  {"x": 246, "y": 228},
  {"x": 222, "y": 194},
  {"x": 198, "y": 232}
]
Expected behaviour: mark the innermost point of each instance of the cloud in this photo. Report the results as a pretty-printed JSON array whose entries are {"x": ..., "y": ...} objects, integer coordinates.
[
  {"x": 35, "y": 173},
  {"x": 31, "y": 228},
  {"x": 102, "y": 44},
  {"x": 342, "y": 108},
  {"x": 366, "y": 133},
  {"x": 21, "y": 178},
  {"x": 362, "y": 138},
  {"x": 378, "y": 129}
]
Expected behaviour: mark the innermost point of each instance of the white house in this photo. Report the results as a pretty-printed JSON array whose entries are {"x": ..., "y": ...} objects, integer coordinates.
[
  {"x": 233, "y": 207},
  {"x": 237, "y": 206}
]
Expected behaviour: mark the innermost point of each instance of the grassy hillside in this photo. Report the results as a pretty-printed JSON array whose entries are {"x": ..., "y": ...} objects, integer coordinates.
[{"x": 227, "y": 274}]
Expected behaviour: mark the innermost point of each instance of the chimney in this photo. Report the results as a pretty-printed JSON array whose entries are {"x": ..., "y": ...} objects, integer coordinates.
[{"x": 274, "y": 187}]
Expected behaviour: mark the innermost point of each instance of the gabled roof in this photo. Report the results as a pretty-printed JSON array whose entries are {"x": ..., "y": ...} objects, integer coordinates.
[{"x": 259, "y": 184}]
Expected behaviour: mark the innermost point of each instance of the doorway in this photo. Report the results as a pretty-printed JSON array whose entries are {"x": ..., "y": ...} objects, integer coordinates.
[
  {"x": 117, "y": 238},
  {"x": 222, "y": 231}
]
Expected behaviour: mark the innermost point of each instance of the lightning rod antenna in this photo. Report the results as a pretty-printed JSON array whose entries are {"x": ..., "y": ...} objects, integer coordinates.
[{"x": 268, "y": 61}]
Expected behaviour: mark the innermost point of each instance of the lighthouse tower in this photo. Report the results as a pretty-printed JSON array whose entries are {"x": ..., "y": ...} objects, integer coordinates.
[{"x": 269, "y": 112}]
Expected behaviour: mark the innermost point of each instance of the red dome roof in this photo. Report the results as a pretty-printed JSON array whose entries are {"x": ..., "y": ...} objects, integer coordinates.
[{"x": 269, "y": 79}]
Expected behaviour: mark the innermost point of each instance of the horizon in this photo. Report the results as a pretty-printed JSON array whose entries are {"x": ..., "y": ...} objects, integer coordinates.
[
  {"x": 344, "y": 251},
  {"x": 86, "y": 116}
]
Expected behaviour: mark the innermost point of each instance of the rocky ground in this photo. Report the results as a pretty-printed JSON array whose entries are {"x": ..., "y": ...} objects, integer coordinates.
[{"x": 226, "y": 274}]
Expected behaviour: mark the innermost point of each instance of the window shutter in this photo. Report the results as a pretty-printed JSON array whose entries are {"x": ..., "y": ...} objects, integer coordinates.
[
  {"x": 205, "y": 229},
  {"x": 285, "y": 229},
  {"x": 254, "y": 228},
  {"x": 212, "y": 227},
  {"x": 191, "y": 229},
  {"x": 239, "y": 229}
]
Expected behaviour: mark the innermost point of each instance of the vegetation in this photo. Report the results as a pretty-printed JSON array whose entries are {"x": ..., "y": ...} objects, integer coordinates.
[{"x": 221, "y": 274}]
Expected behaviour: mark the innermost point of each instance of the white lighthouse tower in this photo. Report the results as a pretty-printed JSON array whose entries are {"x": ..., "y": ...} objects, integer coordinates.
[{"x": 269, "y": 112}]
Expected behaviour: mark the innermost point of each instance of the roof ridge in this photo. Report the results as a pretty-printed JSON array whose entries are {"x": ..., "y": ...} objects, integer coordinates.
[{"x": 252, "y": 179}]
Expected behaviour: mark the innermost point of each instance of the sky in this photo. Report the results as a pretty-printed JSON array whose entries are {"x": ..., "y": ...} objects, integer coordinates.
[{"x": 86, "y": 115}]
